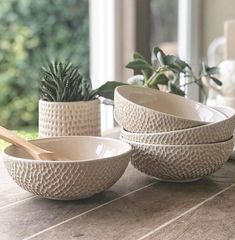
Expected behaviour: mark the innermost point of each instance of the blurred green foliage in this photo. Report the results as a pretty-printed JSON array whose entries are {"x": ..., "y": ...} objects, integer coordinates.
[
  {"x": 32, "y": 32},
  {"x": 26, "y": 133}
]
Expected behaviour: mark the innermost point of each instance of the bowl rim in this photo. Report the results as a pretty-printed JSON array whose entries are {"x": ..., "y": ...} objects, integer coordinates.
[
  {"x": 223, "y": 109},
  {"x": 231, "y": 139},
  {"x": 127, "y": 151},
  {"x": 97, "y": 100},
  {"x": 213, "y": 124},
  {"x": 168, "y": 114},
  {"x": 124, "y": 131}
]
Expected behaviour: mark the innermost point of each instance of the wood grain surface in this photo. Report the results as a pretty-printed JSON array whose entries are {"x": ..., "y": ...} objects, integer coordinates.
[{"x": 137, "y": 207}]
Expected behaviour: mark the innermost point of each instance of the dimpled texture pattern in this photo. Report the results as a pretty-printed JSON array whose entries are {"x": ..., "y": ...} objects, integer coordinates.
[
  {"x": 138, "y": 119},
  {"x": 180, "y": 162},
  {"x": 66, "y": 180},
  {"x": 69, "y": 118},
  {"x": 211, "y": 133}
]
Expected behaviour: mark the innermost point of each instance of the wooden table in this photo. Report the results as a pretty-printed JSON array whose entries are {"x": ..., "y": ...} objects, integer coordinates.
[{"x": 137, "y": 207}]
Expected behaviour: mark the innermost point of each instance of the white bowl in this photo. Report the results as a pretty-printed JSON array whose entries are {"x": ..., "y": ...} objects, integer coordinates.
[
  {"x": 96, "y": 164},
  {"x": 180, "y": 162},
  {"x": 209, "y": 133},
  {"x": 227, "y": 111},
  {"x": 145, "y": 110}
]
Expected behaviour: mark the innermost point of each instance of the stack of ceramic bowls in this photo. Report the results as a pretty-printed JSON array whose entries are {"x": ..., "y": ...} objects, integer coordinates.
[{"x": 173, "y": 138}]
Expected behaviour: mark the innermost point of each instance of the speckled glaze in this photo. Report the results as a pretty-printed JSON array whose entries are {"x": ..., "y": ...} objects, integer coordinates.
[
  {"x": 210, "y": 133},
  {"x": 69, "y": 118},
  {"x": 180, "y": 163},
  {"x": 228, "y": 112},
  {"x": 69, "y": 180},
  {"x": 136, "y": 111}
]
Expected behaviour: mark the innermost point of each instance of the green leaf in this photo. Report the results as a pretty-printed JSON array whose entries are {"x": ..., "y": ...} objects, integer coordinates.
[
  {"x": 172, "y": 60},
  {"x": 212, "y": 70},
  {"x": 159, "y": 79},
  {"x": 162, "y": 79},
  {"x": 146, "y": 73},
  {"x": 156, "y": 50},
  {"x": 139, "y": 64},
  {"x": 160, "y": 59},
  {"x": 175, "y": 89},
  {"x": 216, "y": 81},
  {"x": 107, "y": 89},
  {"x": 137, "y": 55},
  {"x": 175, "y": 68},
  {"x": 206, "y": 70},
  {"x": 64, "y": 83}
]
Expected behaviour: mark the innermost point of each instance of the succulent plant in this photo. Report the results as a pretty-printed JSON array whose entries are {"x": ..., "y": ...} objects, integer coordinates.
[{"x": 62, "y": 82}]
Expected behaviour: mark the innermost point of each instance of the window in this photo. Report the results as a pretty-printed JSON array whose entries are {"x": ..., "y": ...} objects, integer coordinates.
[
  {"x": 31, "y": 32},
  {"x": 164, "y": 25}
]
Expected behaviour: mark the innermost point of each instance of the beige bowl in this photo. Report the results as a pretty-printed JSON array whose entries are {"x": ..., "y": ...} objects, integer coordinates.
[
  {"x": 210, "y": 133},
  {"x": 227, "y": 111},
  {"x": 180, "y": 163},
  {"x": 96, "y": 164},
  {"x": 145, "y": 110}
]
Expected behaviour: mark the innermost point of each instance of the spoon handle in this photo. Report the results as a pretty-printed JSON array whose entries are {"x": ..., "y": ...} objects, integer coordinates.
[{"x": 12, "y": 138}]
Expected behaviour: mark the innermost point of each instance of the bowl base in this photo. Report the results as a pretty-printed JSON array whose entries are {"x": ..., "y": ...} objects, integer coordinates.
[
  {"x": 177, "y": 181},
  {"x": 232, "y": 156},
  {"x": 66, "y": 198}
]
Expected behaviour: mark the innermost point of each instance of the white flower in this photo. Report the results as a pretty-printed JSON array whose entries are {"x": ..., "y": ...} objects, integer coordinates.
[{"x": 136, "y": 80}]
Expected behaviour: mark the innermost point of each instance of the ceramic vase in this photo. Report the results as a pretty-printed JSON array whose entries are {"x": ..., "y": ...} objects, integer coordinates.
[{"x": 69, "y": 118}]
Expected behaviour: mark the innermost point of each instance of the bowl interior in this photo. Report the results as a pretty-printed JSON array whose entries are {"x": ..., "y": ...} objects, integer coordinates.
[
  {"x": 227, "y": 111},
  {"x": 169, "y": 104},
  {"x": 76, "y": 148}
]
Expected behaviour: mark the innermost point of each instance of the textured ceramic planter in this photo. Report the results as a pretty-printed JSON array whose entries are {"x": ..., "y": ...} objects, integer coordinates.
[{"x": 69, "y": 118}]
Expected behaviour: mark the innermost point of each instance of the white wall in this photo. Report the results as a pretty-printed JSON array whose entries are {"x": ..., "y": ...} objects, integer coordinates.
[{"x": 214, "y": 13}]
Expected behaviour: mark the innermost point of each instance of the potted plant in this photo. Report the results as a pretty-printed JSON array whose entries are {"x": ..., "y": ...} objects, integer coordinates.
[
  {"x": 165, "y": 72},
  {"x": 68, "y": 105}
]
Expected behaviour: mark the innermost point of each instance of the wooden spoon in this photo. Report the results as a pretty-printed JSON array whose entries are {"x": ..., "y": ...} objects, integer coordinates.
[{"x": 36, "y": 152}]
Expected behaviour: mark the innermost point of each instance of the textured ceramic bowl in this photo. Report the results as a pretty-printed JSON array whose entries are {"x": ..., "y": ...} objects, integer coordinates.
[
  {"x": 227, "y": 111},
  {"x": 145, "y": 110},
  {"x": 209, "y": 133},
  {"x": 96, "y": 164},
  {"x": 180, "y": 162}
]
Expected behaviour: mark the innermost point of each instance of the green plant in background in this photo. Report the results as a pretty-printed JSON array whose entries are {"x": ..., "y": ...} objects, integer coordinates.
[
  {"x": 30, "y": 33},
  {"x": 163, "y": 73},
  {"x": 167, "y": 70},
  {"x": 62, "y": 82},
  {"x": 27, "y": 133}
]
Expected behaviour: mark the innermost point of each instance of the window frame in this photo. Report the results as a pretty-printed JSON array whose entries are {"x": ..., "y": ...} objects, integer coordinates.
[
  {"x": 189, "y": 38},
  {"x": 109, "y": 29}
]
